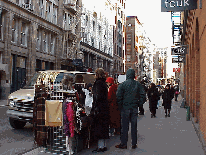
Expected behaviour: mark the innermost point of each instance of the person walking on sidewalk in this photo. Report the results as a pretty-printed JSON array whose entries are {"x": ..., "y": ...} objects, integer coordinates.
[
  {"x": 100, "y": 110},
  {"x": 153, "y": 96},
  {"x": 141, "y": 108},
  {"x": 129, "y": 95},
  {"x": 114, "y": 112},
  {"x": 167, "y": 99}
]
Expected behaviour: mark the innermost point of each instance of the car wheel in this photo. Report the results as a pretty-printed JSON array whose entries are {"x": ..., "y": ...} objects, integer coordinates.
[{"x": 16, "y": 124}]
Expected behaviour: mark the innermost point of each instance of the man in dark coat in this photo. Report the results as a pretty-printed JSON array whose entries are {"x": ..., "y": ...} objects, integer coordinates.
[
  {"x": 100, "y": 110},
  {"x": 130, "y": 94},
  {"x": 167, "y": 99},
  {"x": 141, "y": 108},
  {"x": 153, "y": 96}
]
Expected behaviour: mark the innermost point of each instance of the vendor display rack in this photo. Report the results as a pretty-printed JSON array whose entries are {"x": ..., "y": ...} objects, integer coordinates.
[{"x": 53, "y": 137}]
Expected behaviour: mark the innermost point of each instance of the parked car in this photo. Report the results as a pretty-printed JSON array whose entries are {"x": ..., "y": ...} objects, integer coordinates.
[{"x": 21, "y": 102}]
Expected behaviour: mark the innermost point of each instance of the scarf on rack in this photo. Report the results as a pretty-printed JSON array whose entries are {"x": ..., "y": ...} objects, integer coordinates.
[{"x": 70, "y": 117}]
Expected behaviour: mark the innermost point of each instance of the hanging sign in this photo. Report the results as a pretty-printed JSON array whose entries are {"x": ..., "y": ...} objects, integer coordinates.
[
  {"x": 178, "y": 59},
  {"x": 181, "y": 50},
  {"x": 178, "y": 5}
]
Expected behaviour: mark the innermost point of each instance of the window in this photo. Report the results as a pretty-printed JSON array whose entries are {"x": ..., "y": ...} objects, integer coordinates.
[
  {"x": 38, "y": 43},
  {"x": 14, "y": 30},
  {"x": 23, "y": 37},
  {"x": 86, "y": 20},
  {"x": 92, "y": 42},
  {"x": 45, "y": 41},
  {"x": 41, "y": 7},
  {"x": 54, "y": 14},
  {"x": 52, "y": 44},
  {"x": 93, "y": 25},
  {"x": 99, "y": 28},
  {"x": 99, "y": 45},
  {"x": 1, "y": 24}
]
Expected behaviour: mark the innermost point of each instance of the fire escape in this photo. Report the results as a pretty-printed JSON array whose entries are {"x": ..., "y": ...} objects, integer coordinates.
[{"x": 72, "y": 30}]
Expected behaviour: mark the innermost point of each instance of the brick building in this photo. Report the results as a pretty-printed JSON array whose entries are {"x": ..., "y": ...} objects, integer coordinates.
[{"x": 193, "y": 83}]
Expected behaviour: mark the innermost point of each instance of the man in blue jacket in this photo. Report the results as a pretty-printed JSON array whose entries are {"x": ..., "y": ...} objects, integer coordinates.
[{"x": 129, "y": 94}]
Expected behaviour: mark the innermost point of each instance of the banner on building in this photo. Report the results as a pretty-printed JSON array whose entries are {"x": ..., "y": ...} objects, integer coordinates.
[
  {"x": 176, "y": 69},
  {"x": 178, "y": 5},
  {"x": 180, "y": 50}
]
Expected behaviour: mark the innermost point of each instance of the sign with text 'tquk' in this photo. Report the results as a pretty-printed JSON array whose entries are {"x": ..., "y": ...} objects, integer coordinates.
[{"x": 178, "y": 5}]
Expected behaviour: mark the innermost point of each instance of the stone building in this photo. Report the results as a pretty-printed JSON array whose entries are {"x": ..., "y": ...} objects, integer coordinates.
[
  {"x": 36, "y": 35},
  {"x": 97, "y": 41}
]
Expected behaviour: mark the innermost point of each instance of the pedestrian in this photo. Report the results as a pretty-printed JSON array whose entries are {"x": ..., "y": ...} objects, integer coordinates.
[
  {"x": 114, "y": 112},
  {"x": 172, "y": 90},
  {"x": 130, "y": 94},
  {"x": 176, "y": 93},
  {"x": 153, "y": 96},
  {"x": 100, "y": 110},
  {"x": 141, "y": 108},
  {"x": 167, "y": 99},
  {"x": 88, "y": 99}
]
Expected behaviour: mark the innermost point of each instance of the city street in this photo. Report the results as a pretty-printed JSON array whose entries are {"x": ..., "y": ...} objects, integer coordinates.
[
  {"x": 157, "y": 136},
  {"x": 13, "y": 141}
]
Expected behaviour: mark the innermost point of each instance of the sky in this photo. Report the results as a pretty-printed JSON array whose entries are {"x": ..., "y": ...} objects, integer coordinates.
[{"x": 157, "y": 24}]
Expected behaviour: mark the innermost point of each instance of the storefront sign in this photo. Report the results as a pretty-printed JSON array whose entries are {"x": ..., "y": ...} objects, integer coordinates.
[
  {"x": 179, "y": 50},
  {"x": 178, "y": 5},
  {"x": 178, "y": 60}
]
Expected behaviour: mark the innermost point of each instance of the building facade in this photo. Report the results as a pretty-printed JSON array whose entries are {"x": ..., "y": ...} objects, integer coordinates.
[
  {"x": 193, "y": 83},
  {"x": 36, "y": 35},
  {"x": 133, "y": 52},
  {"x": 97, "y": 41}
]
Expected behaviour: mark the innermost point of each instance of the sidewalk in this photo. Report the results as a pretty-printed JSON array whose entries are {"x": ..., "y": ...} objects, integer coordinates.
[
  {"x": 158, "y": 136},
  {"x": 3, "y": 103}
]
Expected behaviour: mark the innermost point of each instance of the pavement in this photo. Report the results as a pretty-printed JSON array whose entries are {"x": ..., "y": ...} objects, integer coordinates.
[{"x": 156, "y": 136}]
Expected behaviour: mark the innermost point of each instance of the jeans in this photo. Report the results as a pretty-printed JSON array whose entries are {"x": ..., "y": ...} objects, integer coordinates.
[{"x": 126, "y": 117}]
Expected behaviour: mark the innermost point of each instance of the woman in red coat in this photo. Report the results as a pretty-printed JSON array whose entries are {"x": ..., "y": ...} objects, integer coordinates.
[{"x": 114, "y": 112}]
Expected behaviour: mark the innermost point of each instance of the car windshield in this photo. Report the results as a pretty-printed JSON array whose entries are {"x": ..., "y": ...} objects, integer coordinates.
[{"x": 31, "y": 82}]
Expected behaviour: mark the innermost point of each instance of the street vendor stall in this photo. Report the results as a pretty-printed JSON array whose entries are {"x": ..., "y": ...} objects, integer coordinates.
[{"x": 59, "y": 120}]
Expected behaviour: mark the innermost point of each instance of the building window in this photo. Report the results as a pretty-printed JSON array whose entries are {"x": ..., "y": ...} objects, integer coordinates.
[
  {"x": 99, "y": 47},
  {"x": 54, "y": 14},
  {"x": 1, "y": 25},
  {"x": 24, "y": 32},
  {"x": 92, "y": 42},
  {"x": 48, "y": 10},
  {"x": 41, "y": 7},
  {"x": 99, "y": 28},
  {"x": 14, "y": 30},
  {"x": 128, "y": 58},
  {"x": 86, "y": 20},
  {"x": 52, "y": 44},
  {"x": 93, "y": 25},
  {"x": 45, "y": 41},
  {"x": 38, "y": 43}
]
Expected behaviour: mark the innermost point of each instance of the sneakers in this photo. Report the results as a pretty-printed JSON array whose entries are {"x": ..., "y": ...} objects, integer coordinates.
[
  {"x": 120, "y": 146},
  {"x": 168, "y": 115}
]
